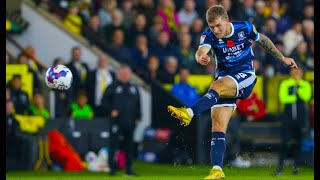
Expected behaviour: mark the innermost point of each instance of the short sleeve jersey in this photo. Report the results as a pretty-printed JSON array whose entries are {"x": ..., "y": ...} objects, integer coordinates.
[{"x": 233, "y": 52}]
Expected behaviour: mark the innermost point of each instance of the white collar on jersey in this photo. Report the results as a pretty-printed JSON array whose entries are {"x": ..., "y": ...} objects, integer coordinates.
[{"x": 232, "y": 31}]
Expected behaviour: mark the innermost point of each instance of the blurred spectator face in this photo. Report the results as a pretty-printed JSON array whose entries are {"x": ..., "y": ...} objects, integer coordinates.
[
  {"x": 109, "y": 5},
  {"x": 141, "y": 41},
  {"x": 82, "y": 100},
  {"x": 259, "y": 6},
  {"x": 103, "y": 61},
  {"x": 226, "y": 4},
  {"x": 296, "y": 73},
  {"x": 163, "y": 38},
  {"x": 153, "y": 63},
  {"x": 16, "y": 83},
  {"x": 146, "y": 3},
  {"x": 302, "y": 47},
  {"x": 7, "y": 59},
  {"x": 197, "y": 25},
  {"x": 185, "y": 41},
  {"x": 58, "y": 61},
  {"x": 297, "y": 27},
  {"x": 184, "y": 74},
  {"x": 308, "y": 27},
  {"x": 76, "y": 54},
  {"x": 248, "y": 3},
  {"x": 166, "y": 4},
  {"x": 38, "y": 100},
  {"x": 311, "y": 45},
  {"x": 271, "y": 25},
  {"x": 157, "y": 23},
  {"x": 210, "y": 3},
  {"x": 275, "y": 6},
  {"x": 189, "y": 5},
  {"x": 118, "y": 37},
  {"x": 74, "y": 10},
  {"x": 94, "y": 22},
  {"x": 125, "y": 74},
  {"x": 140, "y": 21},
  {"x": 117, "y": 17},
  {"x": 9, "y": 107},
  {"x": 184, "y": 28},
  {"x": 23, "y": 59},
  {"x": 171, "y": 64},
  {"x": 308, "y": 11},
  {"x": 127, "y": 5}
]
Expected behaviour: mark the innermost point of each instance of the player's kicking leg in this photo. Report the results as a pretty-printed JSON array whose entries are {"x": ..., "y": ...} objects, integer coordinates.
[
  {"x": 220, "y": 118},
  {"x": 223, "y": 87}
]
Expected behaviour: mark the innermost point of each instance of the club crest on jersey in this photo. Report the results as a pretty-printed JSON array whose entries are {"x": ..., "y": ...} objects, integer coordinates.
[
  {"x": 202, "y": 38},
  {"x": 241, "y": 36}
]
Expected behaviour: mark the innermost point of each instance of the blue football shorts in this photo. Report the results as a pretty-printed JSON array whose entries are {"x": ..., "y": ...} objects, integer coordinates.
[{"x": 245, "y": 83}]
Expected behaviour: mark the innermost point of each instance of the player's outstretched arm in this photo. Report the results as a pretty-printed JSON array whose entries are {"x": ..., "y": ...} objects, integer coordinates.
[
  {"x": 268, "y": 45},
  {"x": 202, "y": 55}
]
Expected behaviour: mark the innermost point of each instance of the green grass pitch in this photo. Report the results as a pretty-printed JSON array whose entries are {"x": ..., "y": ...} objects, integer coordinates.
[{"x": 151, "y": 171}]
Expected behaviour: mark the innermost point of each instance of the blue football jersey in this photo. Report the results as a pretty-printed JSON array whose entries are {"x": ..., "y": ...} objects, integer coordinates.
[{"x": 233, "y": 52}]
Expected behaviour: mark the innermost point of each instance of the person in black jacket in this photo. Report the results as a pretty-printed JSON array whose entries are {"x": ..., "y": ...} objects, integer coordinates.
[
  {"x": 79, "y": 71},
  {"x": 122, "y": 102},
  {"x": 18, "y": 96},
  {"x": 97, "y": 82}
]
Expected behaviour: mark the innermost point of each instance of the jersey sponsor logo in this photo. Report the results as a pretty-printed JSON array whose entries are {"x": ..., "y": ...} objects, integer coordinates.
[
  {"x": 231, "y": 48},
  {"x": 230, "y": 43},
  {"x": 202, "y": 38},
  {"x": 241, "y": 36}
]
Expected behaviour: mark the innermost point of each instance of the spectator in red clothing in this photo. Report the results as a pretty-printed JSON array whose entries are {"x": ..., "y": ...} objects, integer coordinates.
[{"x": 253, "y": 107}]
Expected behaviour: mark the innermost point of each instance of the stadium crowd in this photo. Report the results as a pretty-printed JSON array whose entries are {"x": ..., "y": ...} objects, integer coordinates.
[{"x": 158, "y": 39}]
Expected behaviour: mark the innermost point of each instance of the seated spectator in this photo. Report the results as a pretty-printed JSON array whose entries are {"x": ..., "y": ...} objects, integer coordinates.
[
  {"x": 170, "y": 69},
  {"x": 141, "y": 51},
  {"x": 98, "y": 81},
  {"x": 184, "y": 91},
  {"x": 128, "y": 12},
  {"x": 147, "y": 8},
  {"x": 196, "y": 31},
  {"x": 166, "y": 10},
  {"x": 19, "y": 97},
  {"x": 37, "y": 108},
  {"x": 104, "y": 13},
  {"x": 187, "y": 13},
  {"x": 93, "y": 32},
  {"x": 81, "y": 109},
  {"x": 153, "y": 68},
  {"x": 118, "y": 49},
  {"x": 187, "y": 55},
  {"x": 156, "y": 27},
  {"x": 73, "y": 21},
  {"x": 163, "y": 48},
  {"x": 300, "y": 54},
  {"x": 8, "y": 94},
  {"x": 292, "y": 37},
  {"x": 116, "y": 23},
  {"x": 137, "y": 28}
]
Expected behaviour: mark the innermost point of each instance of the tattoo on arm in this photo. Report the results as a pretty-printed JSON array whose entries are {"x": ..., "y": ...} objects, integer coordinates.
[{"x": 267, "y": 44}]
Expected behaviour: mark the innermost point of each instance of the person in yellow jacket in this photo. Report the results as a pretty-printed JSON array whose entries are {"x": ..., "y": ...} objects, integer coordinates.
[
  {"x": 294, "y": 94},
  {"x": 73, "y": 21}
]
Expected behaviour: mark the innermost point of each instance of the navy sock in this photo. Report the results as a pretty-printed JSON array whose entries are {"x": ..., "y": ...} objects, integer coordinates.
[
  {"x": 206, "y": 102},
  {"x": 218, "y": 146}
]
